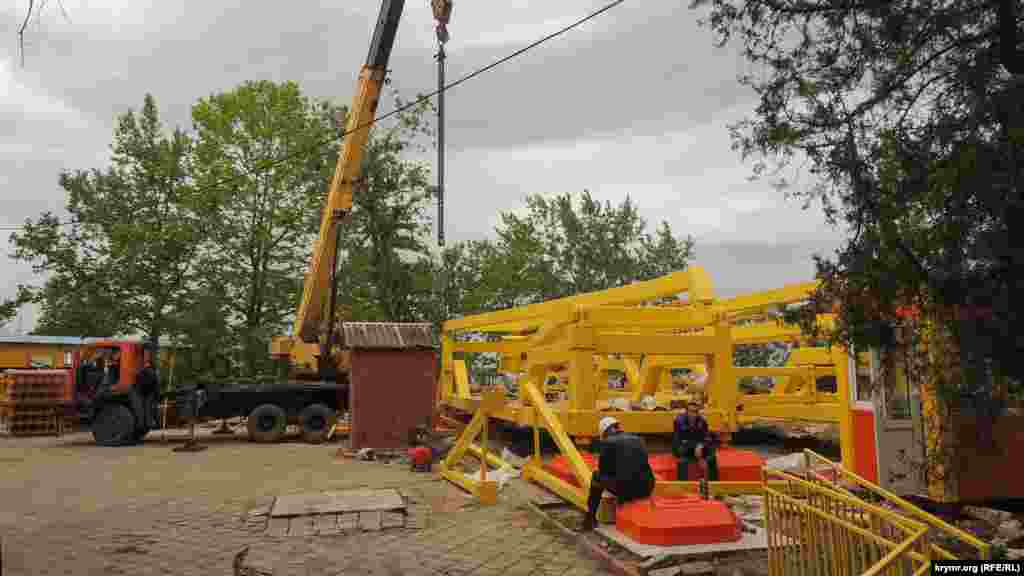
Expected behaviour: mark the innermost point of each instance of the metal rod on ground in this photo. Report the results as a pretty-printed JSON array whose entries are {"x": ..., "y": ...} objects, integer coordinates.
[
  {"x": 192, "y": 445},
  {"x": 163, "y": 419}
]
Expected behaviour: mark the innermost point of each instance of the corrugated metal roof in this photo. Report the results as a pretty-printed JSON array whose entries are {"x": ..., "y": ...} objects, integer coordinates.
[
  {"x": 29, "y": 339},
  {"x": 388, "y": 335}
]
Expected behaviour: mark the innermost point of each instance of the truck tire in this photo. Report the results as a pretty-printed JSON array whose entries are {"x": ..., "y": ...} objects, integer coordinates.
[
  {"x": 267, "y": 423},
  {"x": 316, "y": 421},
  {"x": 114, "y": 425}
]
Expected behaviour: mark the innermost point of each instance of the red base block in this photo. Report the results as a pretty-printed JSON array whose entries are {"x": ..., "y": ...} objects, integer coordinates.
[
  {"x": 663, "y": 466},
  {"x": 559, "y": 466},
  {"x": 733, "y": 466},
  {"x": 678, "y": 521}
]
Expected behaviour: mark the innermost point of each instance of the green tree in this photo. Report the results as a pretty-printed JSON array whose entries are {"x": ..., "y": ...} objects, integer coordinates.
[
  {"x": 122, "y": 261},
  {"x": 910, "y": 116},
  {"x": 563, "y": 247},
  {"x": 385, "y": 269},
  {"x": 265, "y": 153}
]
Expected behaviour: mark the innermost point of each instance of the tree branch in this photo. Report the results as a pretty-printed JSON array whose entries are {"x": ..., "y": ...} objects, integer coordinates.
[{"x": 21, "y": 31}]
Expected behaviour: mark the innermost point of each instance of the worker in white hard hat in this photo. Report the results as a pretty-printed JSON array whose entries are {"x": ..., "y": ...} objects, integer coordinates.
[{"x": 623, "y": 469}]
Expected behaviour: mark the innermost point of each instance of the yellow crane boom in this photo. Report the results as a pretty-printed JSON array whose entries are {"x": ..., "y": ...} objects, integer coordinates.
[{"x": 312, "y": 313}]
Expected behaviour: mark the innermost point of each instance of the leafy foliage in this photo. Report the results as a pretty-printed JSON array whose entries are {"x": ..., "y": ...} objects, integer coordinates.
[
  {"x": 123, "y": 262},
  {"x": 560, "y": 247},
  {"x": 263, "y": 153},
  {"x": 385, "y": 273},
  {"x": 909, "y": 115}
]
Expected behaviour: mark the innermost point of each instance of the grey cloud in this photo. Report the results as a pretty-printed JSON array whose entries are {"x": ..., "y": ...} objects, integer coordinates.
[
  {"x": 739, "y": 268},
  {"x": 644, "y": 65}
]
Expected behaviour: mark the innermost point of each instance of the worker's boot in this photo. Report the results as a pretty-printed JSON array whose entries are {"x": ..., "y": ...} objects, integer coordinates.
[{"x": 589, "y": 523}]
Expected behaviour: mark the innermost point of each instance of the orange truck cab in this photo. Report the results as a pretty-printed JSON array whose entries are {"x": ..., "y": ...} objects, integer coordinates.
[{"x": 115, "y": 389}]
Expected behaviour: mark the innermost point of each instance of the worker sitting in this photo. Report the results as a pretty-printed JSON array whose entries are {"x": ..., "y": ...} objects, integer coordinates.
[
  {"x": 421, "y": 455},
  {"x": 623, "y": 469},
  {"x": 692, "y": 439}
]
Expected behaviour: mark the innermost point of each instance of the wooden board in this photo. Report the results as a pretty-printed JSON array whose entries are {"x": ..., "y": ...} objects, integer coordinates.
[{"x": 361, "y": 500}]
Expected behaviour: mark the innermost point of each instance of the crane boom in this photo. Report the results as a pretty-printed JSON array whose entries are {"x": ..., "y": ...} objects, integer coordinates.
[{"x": 311, "y": 314}]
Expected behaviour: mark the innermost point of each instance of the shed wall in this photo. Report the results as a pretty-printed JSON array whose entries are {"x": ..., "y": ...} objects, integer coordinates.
[{"x": 391, "y": 392}]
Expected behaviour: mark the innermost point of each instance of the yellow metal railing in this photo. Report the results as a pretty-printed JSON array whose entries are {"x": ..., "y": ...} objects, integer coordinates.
[
  {"x": 819, "y": 469},
  {"x": 815, "y": 530}
]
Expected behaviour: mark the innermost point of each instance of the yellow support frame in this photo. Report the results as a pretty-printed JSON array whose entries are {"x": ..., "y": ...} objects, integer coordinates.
[{"x": 584, "y": 332}]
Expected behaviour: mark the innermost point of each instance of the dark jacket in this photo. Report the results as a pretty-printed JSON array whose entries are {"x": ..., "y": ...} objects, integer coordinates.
[
  {"x": 624, "y": 460},
  {"x": 696, "y": 433}
]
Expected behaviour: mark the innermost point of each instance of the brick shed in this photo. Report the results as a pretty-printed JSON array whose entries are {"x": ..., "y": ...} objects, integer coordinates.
[{"x": 393, "y": 381}]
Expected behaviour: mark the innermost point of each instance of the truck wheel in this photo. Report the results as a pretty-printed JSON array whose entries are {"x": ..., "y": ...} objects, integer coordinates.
[
  {"x": 316, "y": 421},
  {"x": 114, "y": 425},
  {"x": 267, "y": 423}
]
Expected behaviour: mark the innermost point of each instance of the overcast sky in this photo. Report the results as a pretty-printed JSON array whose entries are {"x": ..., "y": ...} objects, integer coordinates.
[{"x": 635, "y": 102}]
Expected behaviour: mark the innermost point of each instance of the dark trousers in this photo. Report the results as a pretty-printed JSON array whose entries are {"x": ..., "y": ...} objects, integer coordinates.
[
  {"x": 689, "y": 454},
  {"x": 623, "y": 493}
]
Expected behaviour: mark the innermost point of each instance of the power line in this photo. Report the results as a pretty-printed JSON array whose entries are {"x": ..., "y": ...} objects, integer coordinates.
[{"x": 400, "y": 109}]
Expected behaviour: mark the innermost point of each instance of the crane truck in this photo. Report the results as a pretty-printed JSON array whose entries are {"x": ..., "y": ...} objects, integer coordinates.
[{"x": 119, "y": 405}]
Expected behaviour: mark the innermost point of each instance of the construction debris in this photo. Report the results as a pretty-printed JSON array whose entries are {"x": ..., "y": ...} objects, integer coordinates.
[
  {"x": 698, "y": 568},
  {"x": 989, "y": 515},
  {"x": 796, "y": 461},
  {"x": 1010, "y": 530}
]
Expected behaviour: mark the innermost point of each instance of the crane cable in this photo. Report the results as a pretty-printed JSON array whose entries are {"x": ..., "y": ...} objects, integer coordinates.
[{"x": 302, "y": 152}]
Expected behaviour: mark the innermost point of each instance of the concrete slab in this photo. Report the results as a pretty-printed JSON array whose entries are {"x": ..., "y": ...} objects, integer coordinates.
[
  {"x": 756, "y": 541},
  {"x": 360, "y": 500}
]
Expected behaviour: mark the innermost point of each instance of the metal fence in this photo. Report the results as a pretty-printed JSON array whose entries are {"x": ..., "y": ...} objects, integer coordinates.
[
  {"x": 947, "y": 541},
  {"x": 816, "y": 530}
]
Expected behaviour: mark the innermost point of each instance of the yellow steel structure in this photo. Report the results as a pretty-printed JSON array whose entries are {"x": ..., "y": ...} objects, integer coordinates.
[{"x": 587, "y": 335}]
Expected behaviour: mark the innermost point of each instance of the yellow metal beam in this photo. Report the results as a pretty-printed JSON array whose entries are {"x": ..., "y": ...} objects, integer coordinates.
[
  {"x": 477, "y": 347},
  {"x": 492, "y": 458},
  {"x": 461, "y": 379},
  {"x": 649, "y": 319},
  {"x": 339, "y": 198},
  {"x": 808, "y": 412},
  {"x": 656, "y": 344},
  {"x": 790, "y": 294},
  {"x": 574, "y": 495},
  {"x": 534, "y": 315},
  {"x": 555, "y": 429}
]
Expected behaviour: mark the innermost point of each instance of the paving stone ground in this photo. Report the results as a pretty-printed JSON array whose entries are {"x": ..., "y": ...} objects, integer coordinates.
[{"x": 69, "y": 507}]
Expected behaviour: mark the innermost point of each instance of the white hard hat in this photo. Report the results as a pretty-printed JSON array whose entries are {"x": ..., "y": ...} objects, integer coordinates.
[{"x": 606, "y": 423}]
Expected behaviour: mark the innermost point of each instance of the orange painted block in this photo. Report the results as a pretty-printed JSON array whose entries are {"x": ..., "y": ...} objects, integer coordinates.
[
  {"x": 664, "y": 467},
  {"x": 733, "y": 466},
  {"x": 559, "y": 466},
  {"x": 678, "y": 521},
  {"x": 865, "y": 458},
  {"x": 739, "y": 465}
]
